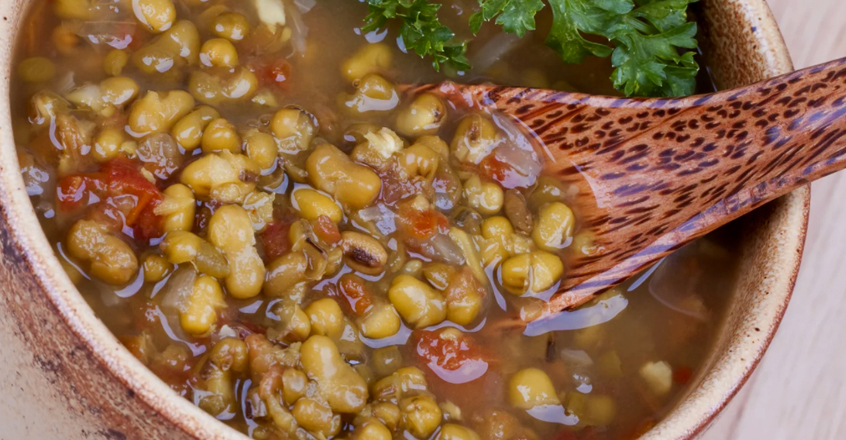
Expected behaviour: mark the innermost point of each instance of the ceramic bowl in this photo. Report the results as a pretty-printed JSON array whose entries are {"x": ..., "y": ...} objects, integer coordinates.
[{"x": 63, "y": 375}]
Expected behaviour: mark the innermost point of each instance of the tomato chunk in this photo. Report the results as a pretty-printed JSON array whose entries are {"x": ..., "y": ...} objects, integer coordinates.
[
  {"x": 75, "y": 191},
  {"x": 682, "y": 375},
  {"x": 422, "y": 224},
  {"x": 146, "y": 224},
  {"x": 272, "y": 73},
  {"x": 124, "y": 177},
  {"x": 451, "y": 355},
  {"x": 493, "y": 167},
  {"x": 275, "y": 240},
  {"x": 118, "y": 177},
  {"x": 326, "y": 230},
  {"x": 354, "y": 290}
]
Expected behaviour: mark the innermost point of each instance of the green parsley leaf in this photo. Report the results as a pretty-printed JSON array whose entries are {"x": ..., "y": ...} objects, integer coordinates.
[
  {"x": 664, "y": 14},
  {"x": 571, "y": 18},
  {"x": 651, "y": 65},
  {"x": 645, "y": 39},
  {"x": 515, "y": 16},
  {"x": 648, "y": 40},
  {"x": 421, "y": 31}
]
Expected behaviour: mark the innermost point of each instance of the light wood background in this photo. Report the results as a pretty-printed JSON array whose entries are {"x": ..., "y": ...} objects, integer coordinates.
[{"x": 799, "y": 390}]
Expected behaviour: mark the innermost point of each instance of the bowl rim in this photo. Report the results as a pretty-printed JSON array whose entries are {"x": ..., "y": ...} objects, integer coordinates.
[
  {"x": 692, "y": 417},
  {"x": 25, "y": 231}
]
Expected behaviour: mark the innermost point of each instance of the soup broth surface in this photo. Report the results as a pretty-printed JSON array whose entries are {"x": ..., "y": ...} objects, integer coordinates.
[{"x": 263, "y": 218}]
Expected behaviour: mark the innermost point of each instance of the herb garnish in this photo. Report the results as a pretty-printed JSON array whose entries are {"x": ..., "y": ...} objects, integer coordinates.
[
  {"x": 421, "y": 30},
  {"x": 648, "y": 40}
]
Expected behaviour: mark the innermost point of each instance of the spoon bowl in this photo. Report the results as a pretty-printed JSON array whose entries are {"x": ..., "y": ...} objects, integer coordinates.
[{"x": 655, "y": 174}]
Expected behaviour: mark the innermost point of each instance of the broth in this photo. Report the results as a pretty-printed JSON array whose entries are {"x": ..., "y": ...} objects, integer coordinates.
[{"x": 97, "y": 182}]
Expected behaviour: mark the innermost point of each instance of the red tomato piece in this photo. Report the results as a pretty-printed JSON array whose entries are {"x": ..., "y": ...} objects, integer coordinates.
[
  {"x": 682, "y": 375},
  {"x": 495, "y": 169},
  {"x": 500, "y": 171},
  {"x": 422, "y": 224},
  {"x": 272, "y": 73},
  {"x": 117, "y": 177},
  {"x": 275, "y": 240},
  {"x": 452, "y": 356},
  {"x": 74, "y": 191},
  {"x": 146, "y": 224},
  {"x": 354, "y": 290},
  {"x": 326, "y": 230},
  {"x": 124, "y": 177}
]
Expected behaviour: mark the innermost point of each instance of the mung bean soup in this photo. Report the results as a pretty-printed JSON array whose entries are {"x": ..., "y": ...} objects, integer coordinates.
[{"x": 249, "y": 202}]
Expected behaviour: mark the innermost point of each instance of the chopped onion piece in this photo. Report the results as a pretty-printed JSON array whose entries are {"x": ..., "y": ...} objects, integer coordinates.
[
  {"x": 299, "y": 31},
  {"x": 271, "y": 12},
  {"x": 179, "y": 286},
  {"x": 518, "y": 151},
  {"x": 446, "y": 250},
  {"x": 107, "y": 295},
  {"x": 381, "y": 217},
  {"x": 513, "y": 131},
  {"x": 493, "y": 51},
  {"x": 88, "y": 96},
  {"x": 659, "y": 377},
  {"x": 371, "y": 214},
  {"x": 385, "y": 142},
  {"x": 674, "y": 286},
  {"x": 66, "y": 82},
  {"x": 576, "y": 358},
  {"x": 227, "y": 332},
  {"x": 526, "y": 165},
  {"x": 305, "y": 5}
]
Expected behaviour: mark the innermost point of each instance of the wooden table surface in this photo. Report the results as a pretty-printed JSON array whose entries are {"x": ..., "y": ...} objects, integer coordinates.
[{"x": 799, "y": 390}]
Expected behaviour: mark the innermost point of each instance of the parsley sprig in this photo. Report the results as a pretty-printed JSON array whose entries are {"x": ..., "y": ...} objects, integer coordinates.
[
  {"x": 646, "y": 37},
  {"x": 649, "y": 41},
  {"x": 421, "y": 30},
  {"x": 515, "y": 16}
]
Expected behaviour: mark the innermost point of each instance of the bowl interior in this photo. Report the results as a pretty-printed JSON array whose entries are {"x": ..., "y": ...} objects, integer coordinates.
[{"x": 125, "y": 400}]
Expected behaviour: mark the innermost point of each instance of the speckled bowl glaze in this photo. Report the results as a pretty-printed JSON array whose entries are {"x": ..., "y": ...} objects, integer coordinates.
[{"x": 65, "y": 376}]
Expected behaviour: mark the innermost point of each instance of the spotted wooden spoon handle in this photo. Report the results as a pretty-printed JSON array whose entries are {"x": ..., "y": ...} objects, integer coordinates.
[{"x": 662, "y": 172}]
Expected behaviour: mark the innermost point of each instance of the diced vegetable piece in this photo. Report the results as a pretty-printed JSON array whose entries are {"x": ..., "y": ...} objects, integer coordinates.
[
  {"x": 270, "y": 12},
  {"x": 658, "y": 376},
  {"x": 452, "y": 355}
]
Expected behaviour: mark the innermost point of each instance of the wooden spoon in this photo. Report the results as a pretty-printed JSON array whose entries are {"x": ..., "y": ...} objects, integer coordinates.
[{"x": 663, "y": 172}]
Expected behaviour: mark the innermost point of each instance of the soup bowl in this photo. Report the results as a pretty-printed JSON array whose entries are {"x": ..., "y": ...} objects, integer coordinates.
[{"x": 64, "y": 375}]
